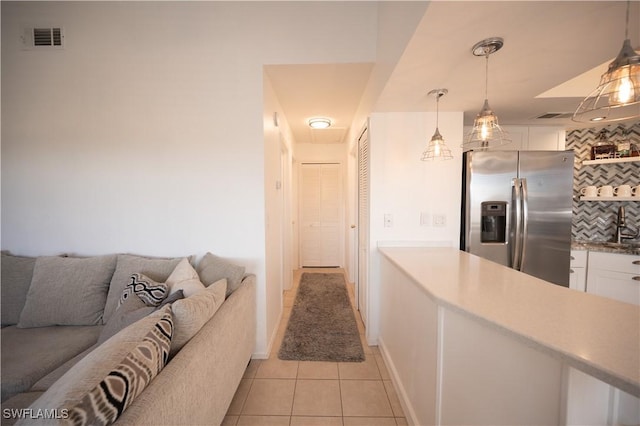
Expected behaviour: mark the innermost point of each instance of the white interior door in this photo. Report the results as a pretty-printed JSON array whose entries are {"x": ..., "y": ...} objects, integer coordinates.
[
  {"x": 321, "y": 218},
  {"x": 362, "y": 284}
]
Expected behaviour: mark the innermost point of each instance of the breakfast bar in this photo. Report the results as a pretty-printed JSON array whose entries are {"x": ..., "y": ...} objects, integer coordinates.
[{"x": 469, "y": 341}]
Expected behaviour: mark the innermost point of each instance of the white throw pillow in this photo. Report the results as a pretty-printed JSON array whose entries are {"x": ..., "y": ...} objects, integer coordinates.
[
  {"x": 184, "y": 278},
  {"x": 190, "y": 314}
]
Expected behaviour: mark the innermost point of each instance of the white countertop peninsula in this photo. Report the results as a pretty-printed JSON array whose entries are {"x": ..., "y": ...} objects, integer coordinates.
[{"x": 561, "y": 327}]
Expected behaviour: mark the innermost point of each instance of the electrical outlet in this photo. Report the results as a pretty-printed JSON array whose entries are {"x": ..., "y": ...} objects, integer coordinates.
[
  {"x": 439, "y": 220},
  {"x": 388, "y": 220}
]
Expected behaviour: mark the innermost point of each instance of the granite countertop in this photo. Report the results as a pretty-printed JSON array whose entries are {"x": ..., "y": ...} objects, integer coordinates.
[
  {"x": 607, "y": 247},
  {"x": 596, "y": 335}
]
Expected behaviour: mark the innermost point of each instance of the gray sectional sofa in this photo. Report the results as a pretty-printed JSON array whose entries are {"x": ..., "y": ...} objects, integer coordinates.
[{"x": 122, "y": 338}]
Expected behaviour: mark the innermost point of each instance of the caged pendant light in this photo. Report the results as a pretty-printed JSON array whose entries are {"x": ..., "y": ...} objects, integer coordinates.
[
  {"x": 617, "y": 97},
  {"x": 437, "y": 148},
  {"x": 486, "y": 132}
]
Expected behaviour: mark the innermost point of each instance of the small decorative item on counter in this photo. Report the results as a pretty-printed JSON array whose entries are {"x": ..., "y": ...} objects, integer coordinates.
[
  {"x": 634, "y": 151},
  {"x": 603, "y": 148}
]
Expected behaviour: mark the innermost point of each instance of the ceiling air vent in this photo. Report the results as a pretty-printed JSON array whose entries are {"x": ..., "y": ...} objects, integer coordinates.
[
  {"x": 548, "y": 115},
  {"x": 43, "y": 38}
]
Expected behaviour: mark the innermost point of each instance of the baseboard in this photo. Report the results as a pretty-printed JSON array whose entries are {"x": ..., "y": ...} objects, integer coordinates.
[
  {"x": 272, "y": 339},
  {"x": 409, "y": 412}
]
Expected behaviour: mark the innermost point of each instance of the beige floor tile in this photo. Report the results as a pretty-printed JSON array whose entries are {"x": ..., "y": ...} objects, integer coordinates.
[
  {"x": 229, "y": 421},
  {"x": 369, "y": 421},
  {"x": 250, "y": 372},
  {"x": 240, "y": 397},
  {"x": 274, "y": 368},
  {"x": 393, "y": 399},
  {"x": 366, "y": 370},
  {"x": 269, "y": 397},
  {"x": 318, "y": 370},
  {"x": 317, "y": 398},
  {"x": 263, "y": 421},
  {"x": 315, "y": 421},
  {"x": 384, "y": 373},
  {"x": 401, "y": 421},
  {"x": 364, "y": 398}
]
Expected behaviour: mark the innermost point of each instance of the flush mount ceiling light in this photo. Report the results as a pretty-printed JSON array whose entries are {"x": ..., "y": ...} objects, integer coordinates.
[
  {"x": 486, "y": 132},
  {"x": 617, "y": 97},
  {"x": 437, "y": 148},
  {"x": 319, "y": 123}
]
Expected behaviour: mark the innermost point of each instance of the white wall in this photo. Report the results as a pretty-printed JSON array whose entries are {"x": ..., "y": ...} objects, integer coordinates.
[
  {"x": 404, "y": 186},
  {"x": 277, "y": 189},
  {"x": 146, "y": 133}
]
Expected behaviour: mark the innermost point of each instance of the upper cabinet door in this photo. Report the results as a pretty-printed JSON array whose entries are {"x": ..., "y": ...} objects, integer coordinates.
[
  {"x": 546, "y": 138},
  {"x": 532, "y": 138}
]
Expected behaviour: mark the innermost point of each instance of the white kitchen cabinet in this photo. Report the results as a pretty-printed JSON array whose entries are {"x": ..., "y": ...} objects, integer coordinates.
[
  {"x": 531, "y": 138},
  {"x": 546, "y": 138},
  {"x": 616, "y": 276},
  {"x": 578, "y": 270}
]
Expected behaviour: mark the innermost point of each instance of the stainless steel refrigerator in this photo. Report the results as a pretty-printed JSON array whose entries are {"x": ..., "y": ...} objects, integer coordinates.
[{"x": 516, "y": 210}]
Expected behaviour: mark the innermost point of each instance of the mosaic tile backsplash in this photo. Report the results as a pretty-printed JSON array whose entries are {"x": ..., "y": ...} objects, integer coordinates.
[{"x": 595, "y": 220}]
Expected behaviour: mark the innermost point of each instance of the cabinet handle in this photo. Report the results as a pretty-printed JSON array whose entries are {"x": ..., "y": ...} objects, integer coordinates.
[
  {"x": 636, "y": 262},
  {"x": 571, "y": 271},
  {"x": 573, "y": 258},
  {"x": 636, "y": 278}
]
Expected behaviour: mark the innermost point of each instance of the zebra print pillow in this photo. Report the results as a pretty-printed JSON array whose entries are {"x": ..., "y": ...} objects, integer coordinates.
[
  {"x": 149, "y": 291},
  {"x": 108, "y": 400}
]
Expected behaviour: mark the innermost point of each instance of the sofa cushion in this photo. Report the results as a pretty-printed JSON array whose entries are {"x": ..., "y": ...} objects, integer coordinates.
[
  {"x": 191, "y": 313},
  {"x": 12, "y": 408},
  {"x": 47, "y": 381},
  {"x": 132, "y": 310},
  {"x": 185, "y": 278},
  {"x": 158, "y": 269},
  {"x": 67, "y": 291},
  {"x": 115, "y": 372},
  {"x": 29, "y": 354},
  {"x": 144, "y": 288},
  {"x": 213, "y": 268},
  {"x": 16, "y": 274}
]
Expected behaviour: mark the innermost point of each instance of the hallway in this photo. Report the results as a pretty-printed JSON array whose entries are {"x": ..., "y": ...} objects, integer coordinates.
[{"x": 307, "y": 393}]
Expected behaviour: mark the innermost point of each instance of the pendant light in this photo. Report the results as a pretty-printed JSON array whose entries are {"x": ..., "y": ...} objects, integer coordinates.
[
  {"x": 617, "y": 97},
  {"x": 437, "y": 148},
  {"x": 486, "y": 132}
]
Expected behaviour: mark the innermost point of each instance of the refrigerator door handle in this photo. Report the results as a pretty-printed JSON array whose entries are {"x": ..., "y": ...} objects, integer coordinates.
[
  {"x": 525, "y": 221},
  {"x": 516, "y": 223}
]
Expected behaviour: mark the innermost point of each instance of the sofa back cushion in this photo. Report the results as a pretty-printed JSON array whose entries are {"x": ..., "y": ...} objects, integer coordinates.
[
  {"x": 213, "y": 268},
  {"x": 16, "y": 274},
  {"x": 67, "y": 291},
  {"x": 158, "y": 269},
  {"x": 191, "y": 313}
]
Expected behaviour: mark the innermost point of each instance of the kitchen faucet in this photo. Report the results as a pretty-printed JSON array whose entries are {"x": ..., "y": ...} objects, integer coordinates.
[{"x": 620, "y": 225}]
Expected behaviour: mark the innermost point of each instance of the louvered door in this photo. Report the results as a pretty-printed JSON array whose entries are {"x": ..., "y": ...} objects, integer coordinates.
[
  {"x": 321, "y": 217},
  {"x": 362, "y": 286}
]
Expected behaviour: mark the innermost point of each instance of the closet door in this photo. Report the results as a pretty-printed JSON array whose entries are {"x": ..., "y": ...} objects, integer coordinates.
[{"x": 321, "y": 218}]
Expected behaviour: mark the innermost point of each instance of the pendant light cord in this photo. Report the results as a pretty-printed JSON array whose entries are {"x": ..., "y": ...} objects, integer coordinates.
[
  {"x": 486, "y": 77},
  {"x": 626, "y": 26}
]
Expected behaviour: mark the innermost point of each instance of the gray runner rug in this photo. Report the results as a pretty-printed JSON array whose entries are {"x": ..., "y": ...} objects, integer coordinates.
[{"x": 322, "y": 326}]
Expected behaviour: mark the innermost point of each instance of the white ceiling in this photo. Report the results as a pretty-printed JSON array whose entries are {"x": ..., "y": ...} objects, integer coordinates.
[{"x": 546, "y": 44}]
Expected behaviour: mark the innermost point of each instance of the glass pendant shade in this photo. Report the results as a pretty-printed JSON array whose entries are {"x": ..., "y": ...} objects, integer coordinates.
[
  {"x": 486, "y": 132},
  {"x": 617, "y": 97},
  {"x": 437, "y": 149}
]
